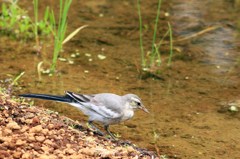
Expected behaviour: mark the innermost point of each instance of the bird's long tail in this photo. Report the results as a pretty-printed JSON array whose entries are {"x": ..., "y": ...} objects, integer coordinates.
[{"x": 66, "y": 98}]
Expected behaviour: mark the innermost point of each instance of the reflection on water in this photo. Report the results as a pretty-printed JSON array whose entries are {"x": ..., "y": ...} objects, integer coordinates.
[{"x": 190, "y": 17}]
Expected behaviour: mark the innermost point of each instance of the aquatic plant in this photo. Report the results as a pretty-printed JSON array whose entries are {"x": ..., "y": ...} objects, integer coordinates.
[
  {"x": 15, "y": 22},
  {"x": 150, "y": 59},
  {"x": 60, "y": 30}
]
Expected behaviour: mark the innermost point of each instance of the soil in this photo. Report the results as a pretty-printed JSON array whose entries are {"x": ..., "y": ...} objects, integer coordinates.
[{"x": 190, "y": 102}]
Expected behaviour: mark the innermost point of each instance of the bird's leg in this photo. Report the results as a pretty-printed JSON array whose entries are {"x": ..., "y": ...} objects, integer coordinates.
[
  {"x": 95, "y": 128},
  {"x": 106, "y": 128}
]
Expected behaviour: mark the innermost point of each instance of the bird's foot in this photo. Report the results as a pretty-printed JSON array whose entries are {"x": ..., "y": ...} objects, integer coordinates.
[
  {"x": 125, "y": 143},
  {"x": 94, "y": 129}
]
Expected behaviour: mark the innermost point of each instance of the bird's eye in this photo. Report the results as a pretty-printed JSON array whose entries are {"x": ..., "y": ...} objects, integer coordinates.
[{"x": 138, "y": 104}]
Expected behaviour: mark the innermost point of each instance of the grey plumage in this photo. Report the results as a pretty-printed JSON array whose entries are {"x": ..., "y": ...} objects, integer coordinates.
[{"x": 106, "y": 108}]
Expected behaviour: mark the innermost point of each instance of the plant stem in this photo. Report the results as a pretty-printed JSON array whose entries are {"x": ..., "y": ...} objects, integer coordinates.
[
  {"x": 36, "y": 22},
  {"x": 60, "y": 31},
  {"x": 153, "y": 53},
  {"x": 171, "y": 44},
  {"x": 141, "y": 35}
]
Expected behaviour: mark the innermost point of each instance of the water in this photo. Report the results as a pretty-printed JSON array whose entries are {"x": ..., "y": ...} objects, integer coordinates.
[{"x": 184, "y": 119}]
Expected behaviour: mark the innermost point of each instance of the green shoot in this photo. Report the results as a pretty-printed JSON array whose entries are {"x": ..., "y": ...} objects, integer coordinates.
[
  {"x": 17, "y": 78},
  {"x": 171, "y": 44},
  {"x": 153, "y": 52},
  {"x": 152, "y": 59},
  {"x": 141, "y": 36},
  {"x": 59, "y": 32},
  {"x": 35, "y": 3}
]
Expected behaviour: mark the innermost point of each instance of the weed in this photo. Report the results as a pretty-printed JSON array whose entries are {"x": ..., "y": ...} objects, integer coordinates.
[
  {"x": 60, "y": 30},
  {"x": 15, "y": 22},
  {"x": 151, "y": 59}
]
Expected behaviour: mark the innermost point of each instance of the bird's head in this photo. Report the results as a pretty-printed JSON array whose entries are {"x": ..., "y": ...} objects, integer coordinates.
[{"x": 135, "y": 102}]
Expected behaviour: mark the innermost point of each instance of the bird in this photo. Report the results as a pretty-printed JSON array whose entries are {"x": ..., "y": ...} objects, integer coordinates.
[{"x": 105, "y": 108}]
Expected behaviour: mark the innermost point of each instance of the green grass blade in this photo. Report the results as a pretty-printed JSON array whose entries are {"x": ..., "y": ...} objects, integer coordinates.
[
  {"x": 143, "y": 61},
  {"x": 171, "y": 44},
  {"x": 155, "y": 33}
]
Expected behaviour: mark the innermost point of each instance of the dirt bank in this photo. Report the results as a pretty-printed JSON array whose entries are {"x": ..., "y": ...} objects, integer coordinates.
[{"x": 32, "y": 132}]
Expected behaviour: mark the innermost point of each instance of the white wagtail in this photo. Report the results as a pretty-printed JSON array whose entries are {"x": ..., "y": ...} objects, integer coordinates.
[{"x": 106, "y": 108}]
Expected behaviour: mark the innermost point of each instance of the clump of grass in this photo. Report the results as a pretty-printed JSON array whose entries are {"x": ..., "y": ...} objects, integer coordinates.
[
  {"x": 151, "y": 60},
  {"x": 15, "y": 22},
  {"x": 60, "y": 30}
]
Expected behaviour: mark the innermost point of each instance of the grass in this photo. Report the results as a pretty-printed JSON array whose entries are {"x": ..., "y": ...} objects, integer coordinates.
[
  {"x": 15, "y": 22},
  {"x": 59, "y": 31},
  {"x": 150, "y": 60},
  {"x": 35, "y": 4}
]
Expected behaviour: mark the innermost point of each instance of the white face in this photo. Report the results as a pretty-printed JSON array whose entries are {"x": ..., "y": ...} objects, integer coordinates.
[{"x": 135, "y": 103}]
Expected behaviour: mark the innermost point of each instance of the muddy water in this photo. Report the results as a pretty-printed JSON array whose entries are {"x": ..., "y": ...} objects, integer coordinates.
[{"x": 185, "y": 121}]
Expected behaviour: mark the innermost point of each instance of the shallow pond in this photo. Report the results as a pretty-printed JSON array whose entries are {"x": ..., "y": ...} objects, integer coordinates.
[{"x": 188, "y": 104}]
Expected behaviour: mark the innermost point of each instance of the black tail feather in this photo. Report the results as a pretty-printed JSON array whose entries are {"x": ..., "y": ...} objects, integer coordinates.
[{"x": 49, "y": 97}]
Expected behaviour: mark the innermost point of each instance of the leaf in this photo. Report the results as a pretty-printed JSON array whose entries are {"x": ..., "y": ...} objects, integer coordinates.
[{"x": 70, "y": 36}]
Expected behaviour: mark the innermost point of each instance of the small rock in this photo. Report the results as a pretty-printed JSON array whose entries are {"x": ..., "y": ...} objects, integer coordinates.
[
  {"x": 35, "y": 121},
  {"x": 50, "y": 126},
  {"x": 26, "y": 155},
  {"x": 44, "y": 156},
  {"x": 13, "y": 126},
  {"x": 48, "y": 142},
  {"x": 29, "y": 115},
  {"x": 20, "y": 142},
  {"x": 233, "y": 108},
  {"x": 69, "y": 151},
  {"x": 45, "y": 131},
  {"x": 28, "y": 121},
  {"x": 61, "y": 131},
  {"x": 31, "y": 137},
  {"x": 7, "y": 132},
  {"x": 17, "y": 154},
  {"x": 40, "y": 138},
  {"x": 24, "y": 129},
  {"x": 36, "y": 129},
  {"x": 4, "y": 154},
  {"x": 45, "y": 148}
]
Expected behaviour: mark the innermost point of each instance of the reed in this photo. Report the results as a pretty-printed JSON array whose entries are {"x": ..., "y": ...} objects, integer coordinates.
[
  {"x": 59, "y": 30},
  {"x": 154, "y": 58}
]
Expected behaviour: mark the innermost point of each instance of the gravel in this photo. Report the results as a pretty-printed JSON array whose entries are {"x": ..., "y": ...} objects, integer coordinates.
[{"x": 32, "y": 132}]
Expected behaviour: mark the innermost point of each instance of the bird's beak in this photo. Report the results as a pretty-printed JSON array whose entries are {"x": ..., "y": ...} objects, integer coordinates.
[{"x": 144, "y": 109}]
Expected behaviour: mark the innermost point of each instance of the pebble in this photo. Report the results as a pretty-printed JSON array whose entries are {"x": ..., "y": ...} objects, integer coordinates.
[
  {"x": 13, "y": 126},
  {"x": 7, "y": 132},
  {"x": 48, "y": 142},
  {"x": 69, "y": 151},
  {"x": 40, "y": 138},
  {"x": 20, "y": 142},
  {"x": 45, "y": 148},
  {"x": 26, "y": 155},
  {"x": 50, "y": 126},
  {"x": 45, "y": 131},
  {"x": 36, "y": 129},
  {"x": 17, "y": 154}
]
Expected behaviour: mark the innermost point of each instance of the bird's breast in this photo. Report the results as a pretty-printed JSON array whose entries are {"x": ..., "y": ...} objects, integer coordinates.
[{"x": 128, "y": 114}]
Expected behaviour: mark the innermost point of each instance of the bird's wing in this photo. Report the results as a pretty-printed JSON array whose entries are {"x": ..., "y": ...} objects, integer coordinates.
[
  {"x": 108, "y": 105},
  {"x": 80, "y": 98},
  {"x": 101, "y": 104}
]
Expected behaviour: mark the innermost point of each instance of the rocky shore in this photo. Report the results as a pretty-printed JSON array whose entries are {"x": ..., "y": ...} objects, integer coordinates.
[{"x": 32, "y": 132}]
